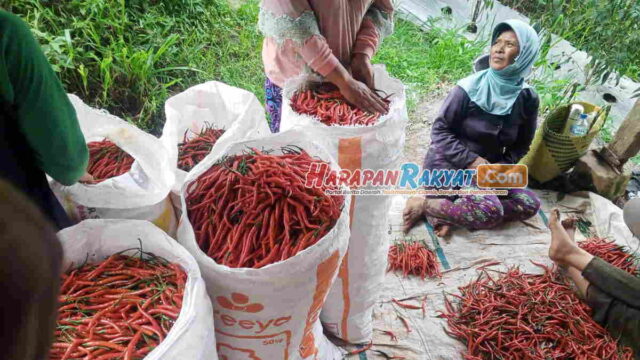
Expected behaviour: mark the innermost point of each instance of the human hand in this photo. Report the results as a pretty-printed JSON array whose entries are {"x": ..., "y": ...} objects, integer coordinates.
[
  {"x": 359, "y": 95},
  {"x": 86, "y": 178},
  {"x": 362, "y": 70},
  {"x": 477, "y": 162}
]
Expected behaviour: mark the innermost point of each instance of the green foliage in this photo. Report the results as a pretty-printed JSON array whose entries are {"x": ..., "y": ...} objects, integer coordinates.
[
  {"x": 425, "y": 59},
  {"x": 607, "y": 30},
  {"x": 607, "y": 131},
  {"x": 129, "y": 56},
  {"x": 552, "y": 92}
]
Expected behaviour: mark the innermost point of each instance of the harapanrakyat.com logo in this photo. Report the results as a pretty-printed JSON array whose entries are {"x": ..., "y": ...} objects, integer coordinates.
[{"x": 410, "y": 179}]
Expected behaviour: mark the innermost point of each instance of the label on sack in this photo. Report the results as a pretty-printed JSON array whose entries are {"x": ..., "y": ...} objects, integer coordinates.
[
  {"x": 240, "y": 335},
  {"x": 234, "y": 314}
]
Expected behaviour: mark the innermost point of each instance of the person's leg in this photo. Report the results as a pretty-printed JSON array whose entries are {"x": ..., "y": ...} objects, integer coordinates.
[
  {"x": 520, "y": 204},
  {"x": 414, "y": 212},
  {"x": 474, "y": 212},
  {"x": 563, "y": 250},
  {"x": 560, "y": 232},
  {"x": 273, "y": 99},
  {"x": 441, "y": 227}
]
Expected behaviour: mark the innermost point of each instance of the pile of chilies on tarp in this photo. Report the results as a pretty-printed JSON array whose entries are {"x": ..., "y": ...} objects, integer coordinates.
[
  {"x": 330, "y": 107},
  {"x": 107, "y": 160},
  {"x": 192, "y": 151},
  {"x": 252, "y": 210},
  {"x": 514, "y": 315},
  {"x": 612, "y": 253},
  {"x": 413, "y": 258},
  {"x": 121, "y": 308}
]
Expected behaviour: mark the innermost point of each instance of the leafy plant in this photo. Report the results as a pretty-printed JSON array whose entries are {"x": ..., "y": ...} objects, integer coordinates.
[
  {"x": 129, "y": 56},
  {"x": 425, "y": 59},
  {"x": 607, "y": 132},
  {"x": 614, "y": 44}
]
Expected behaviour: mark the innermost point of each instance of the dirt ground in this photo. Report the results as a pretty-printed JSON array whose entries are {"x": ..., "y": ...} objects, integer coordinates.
[{"x": 421, "y": 119}]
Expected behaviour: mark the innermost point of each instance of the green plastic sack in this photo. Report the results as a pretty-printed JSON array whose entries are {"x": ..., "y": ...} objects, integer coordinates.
[{"x": 552, "y": 152}]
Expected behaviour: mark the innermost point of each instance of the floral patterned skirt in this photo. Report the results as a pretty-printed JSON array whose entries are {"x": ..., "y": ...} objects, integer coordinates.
[
  {"x": 476, "y": 212},
  {"x": 273, "y": 97}
]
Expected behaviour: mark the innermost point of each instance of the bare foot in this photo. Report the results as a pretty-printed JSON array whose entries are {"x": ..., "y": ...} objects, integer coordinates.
[
  {"x": 442, "y": 230},
  {"x": 413, "y": 212},
  {"x": 562, "y": 244},
  {"x": 569, "y": 224},
  {"x": 433, "y": 207}
]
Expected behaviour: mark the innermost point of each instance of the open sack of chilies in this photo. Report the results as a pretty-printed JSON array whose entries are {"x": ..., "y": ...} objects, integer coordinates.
[
  {"x": 129, "y": 291},
  {"x": 132, "y": 170},
  {"x": 361, "y": 141},
  {"x": 269, "y": 247}
]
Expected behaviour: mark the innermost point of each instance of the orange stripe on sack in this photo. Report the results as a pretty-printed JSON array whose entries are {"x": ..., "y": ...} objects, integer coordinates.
[
  {"x": 324, "y": 274},
  {"x": 349, "y": 158}
]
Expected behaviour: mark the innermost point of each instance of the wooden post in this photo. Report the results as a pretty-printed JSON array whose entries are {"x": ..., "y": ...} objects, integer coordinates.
[
  {"x": 626, "y": 142},
  {"x": 603, "y": 171}
]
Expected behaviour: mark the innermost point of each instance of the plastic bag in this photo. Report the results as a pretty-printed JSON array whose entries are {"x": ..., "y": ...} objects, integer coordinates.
[
  {"x": 271, "y": 312},
  {"x": 216, "y": 104},
  {"x": 142, "y": 193},
  {"x": 192, "y": 336},
  {"x": 347, "y": 313}
]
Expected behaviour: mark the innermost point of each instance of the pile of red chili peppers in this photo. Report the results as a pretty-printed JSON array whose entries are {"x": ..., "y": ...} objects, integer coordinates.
[
  {"x": 526, "y": 316},
  {"x": 328, "y": 105},
  {"x": 107, "y": 160},
  {"x": 191, "y": 152},
  {"x": 612, "y": 253},
  {"x": 413, "y": 258},
  {"x": 121, "y": 308},
  {"x": 254, "y": 209}
]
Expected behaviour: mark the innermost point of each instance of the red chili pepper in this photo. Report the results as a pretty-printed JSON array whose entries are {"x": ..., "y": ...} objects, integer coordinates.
[
  {"x": 526, "y": 316},
  {"x": 330, "y": 107},
  {"x": 413, "y": 258},
  {"x": 192, "y": 151},
  {"x": 612, "y": 253},
  {"x": 132, "y": 296},
  {"x": 107, "y": 160},
  {"x": 254, "y": 209}
]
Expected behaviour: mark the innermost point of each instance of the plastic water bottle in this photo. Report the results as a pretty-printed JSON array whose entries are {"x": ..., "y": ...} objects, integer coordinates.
[
  {"x": 580, "y": 127},
  {"x": 574, "y": 115}
]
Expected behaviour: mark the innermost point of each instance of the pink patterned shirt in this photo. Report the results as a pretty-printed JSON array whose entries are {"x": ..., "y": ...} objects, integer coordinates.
[{"x": 319, "y": 34}]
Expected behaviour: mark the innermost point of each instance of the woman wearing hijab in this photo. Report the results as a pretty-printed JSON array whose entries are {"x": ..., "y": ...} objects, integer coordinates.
[
  {"x": 334, "y": 38},
  {"x": 489, "y": 117},
  {"x": 612, "y": 294}
]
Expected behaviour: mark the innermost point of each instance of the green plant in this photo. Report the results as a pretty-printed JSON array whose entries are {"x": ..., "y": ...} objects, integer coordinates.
[
  {"x": 552, "y": 92},
  {"x": 129, "y": 56},
  {"x": 424, "y": 59},
  {"x": 607, "y": 132},
  {"x": 614, "y": 44}
]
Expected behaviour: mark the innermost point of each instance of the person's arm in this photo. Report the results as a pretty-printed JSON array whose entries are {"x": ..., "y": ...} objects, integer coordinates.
[
  {"x": 443, "y": 138},
  {"x": 618, "y": 317},
  {"x": 45, "y": 114},
  {"x": 526, "y": 131},
  {"x": 376, "y": 25},
  {"x": 613, "y": 281},
  {"x": 294, "y": 21}
]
